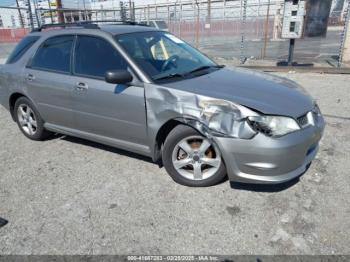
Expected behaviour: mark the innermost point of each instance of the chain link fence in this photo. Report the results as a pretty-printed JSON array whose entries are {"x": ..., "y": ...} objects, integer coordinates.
[
  {"x": 238, "y": 31},
  {"x": 247, "y": 31}
]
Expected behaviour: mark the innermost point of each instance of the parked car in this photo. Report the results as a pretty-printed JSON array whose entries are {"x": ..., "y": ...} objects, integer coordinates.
[{"x": 146, "y": 91}]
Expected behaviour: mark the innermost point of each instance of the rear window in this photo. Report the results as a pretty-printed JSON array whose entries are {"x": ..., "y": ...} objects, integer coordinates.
[{"x": 21, "y": 48}]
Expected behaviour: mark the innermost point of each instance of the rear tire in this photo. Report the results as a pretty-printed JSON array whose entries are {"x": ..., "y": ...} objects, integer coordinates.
[
  {"x": 29, "y": 120},
  {"x": 191, "y": 159}
]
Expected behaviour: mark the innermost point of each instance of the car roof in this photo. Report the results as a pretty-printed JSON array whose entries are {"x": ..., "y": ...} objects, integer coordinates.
[{"x": 114, "y": 29}]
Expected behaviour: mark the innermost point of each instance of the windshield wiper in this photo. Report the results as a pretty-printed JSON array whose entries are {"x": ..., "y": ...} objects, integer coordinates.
[
  {"x": 178, "y": 75},
  {"x": 174, "y": 75},
  {"x": 203, "y": 68}
]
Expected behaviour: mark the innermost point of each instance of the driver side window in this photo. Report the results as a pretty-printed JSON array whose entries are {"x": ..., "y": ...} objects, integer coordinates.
[{"x": 95, "y": 56}]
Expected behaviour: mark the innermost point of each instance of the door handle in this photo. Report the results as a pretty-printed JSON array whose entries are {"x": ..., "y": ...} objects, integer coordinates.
[
  {"x": 81, "y": 86},
  {"x": 30, "y": 77}
]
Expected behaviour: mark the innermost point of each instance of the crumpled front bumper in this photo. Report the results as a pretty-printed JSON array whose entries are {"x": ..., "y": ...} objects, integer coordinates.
[{"x": 266, "y": 160}]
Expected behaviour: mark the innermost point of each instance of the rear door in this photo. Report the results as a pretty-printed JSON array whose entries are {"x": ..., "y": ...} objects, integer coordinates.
[
  {"x": 49, "y": 81},
  {"x": 103, "y": 109}
]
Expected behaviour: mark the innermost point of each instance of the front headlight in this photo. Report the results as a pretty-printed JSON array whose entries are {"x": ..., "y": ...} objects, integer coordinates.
[{"x": 273, "y": 125}]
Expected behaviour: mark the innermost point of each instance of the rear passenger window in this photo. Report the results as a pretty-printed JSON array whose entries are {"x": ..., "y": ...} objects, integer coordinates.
[
  {"x": 21, "y": 48},
  {"x": 54, "y": 54},
  {"x": 95, "y": 56}
]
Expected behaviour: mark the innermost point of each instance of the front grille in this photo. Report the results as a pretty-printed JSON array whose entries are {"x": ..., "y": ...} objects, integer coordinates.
[{"x": 303, "y": 120}]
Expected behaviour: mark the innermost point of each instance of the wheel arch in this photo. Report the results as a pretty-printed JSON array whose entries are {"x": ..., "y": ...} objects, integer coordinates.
[
  {"x": 161, "y": 135},
  {"x": 167, "y": 127},
  {"x": 12, "y": 101}
]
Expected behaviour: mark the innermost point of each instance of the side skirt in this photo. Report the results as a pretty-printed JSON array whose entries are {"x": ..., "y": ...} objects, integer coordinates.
[{"x": 128, "y": 146}]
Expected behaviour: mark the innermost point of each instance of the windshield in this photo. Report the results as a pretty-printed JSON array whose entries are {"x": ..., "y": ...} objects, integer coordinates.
[{"x": 163, "y": 56}]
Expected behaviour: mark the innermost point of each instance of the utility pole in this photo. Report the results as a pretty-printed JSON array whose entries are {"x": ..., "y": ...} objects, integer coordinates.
[
  {"x": 30, "y": 14},
  {"x": 36, "y": 13},
  {"x": 266, "y": 29},
  {"x": 59, "y": 11},
  {"x": 20, "y": 15},
  {"x": 49, "y": 3}
]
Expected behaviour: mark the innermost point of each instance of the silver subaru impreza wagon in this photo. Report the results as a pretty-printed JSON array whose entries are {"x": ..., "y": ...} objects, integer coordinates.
[{"x": 145, "y": 90}]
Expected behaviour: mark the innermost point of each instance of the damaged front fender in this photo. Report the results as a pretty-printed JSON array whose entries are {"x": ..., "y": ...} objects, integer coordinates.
[{"x": 211, "y": 117}]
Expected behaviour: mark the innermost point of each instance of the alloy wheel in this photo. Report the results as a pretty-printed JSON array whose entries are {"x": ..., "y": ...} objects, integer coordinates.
[
  {"x": 195, "y": 158},
  {"x": 27, "y": 120}
]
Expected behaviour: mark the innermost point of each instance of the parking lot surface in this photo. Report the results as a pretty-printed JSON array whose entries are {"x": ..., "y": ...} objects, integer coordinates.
[{"x": 71, "y": 196}]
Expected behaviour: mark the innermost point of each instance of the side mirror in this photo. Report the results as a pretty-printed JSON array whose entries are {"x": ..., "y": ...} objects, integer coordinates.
[{"x": 118, "y": 77}]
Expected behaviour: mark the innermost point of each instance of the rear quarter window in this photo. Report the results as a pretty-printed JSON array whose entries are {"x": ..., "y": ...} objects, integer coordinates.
[{"x": 21, "y": 48}]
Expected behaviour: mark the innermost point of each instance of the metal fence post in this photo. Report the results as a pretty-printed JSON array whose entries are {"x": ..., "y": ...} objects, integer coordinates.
[
  {"x": 180, "y": 19},
  {"x": 147, "y": 13},
  {"x": 209, "y": 15},
  {"x": 168, "y": 10},
  {"x": 243, "y": 22},
  {"x": 345, "y": 39},
  {"x": 224, "y": 16},
  {"x": 266, "y": 29},
  {"x": 197, "y": 25},
  {"x": 131, "y": 17},
  {"x": 37, "y": 16}
]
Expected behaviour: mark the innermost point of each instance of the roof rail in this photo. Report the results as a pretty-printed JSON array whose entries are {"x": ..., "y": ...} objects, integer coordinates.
[{"x": 86, "y": 24}]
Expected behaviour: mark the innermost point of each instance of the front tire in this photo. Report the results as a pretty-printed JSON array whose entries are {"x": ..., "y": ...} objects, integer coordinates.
[
  {"x": 29, "y": 120},
  {"x": 191, "y": 159}
]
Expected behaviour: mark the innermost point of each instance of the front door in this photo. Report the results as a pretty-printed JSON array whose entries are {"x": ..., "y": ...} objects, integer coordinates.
[{"x": 109, "y": 111}]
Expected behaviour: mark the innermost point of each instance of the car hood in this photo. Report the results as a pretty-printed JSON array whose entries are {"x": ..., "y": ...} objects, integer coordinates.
[{"x": 263, "y": 92}]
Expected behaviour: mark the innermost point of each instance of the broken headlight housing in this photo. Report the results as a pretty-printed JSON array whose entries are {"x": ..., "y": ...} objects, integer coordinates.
[
  {"x": 225, "y": 118},
  {"x": 274, "y": 126},
  {"x": 229, "y": 119}
]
